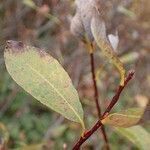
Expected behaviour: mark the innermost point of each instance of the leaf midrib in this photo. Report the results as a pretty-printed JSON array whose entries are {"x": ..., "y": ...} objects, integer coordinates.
[{"x": 56, "y": 90}]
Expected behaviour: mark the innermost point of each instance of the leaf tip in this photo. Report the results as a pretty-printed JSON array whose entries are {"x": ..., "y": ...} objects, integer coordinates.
[{"x": 14, "y": 46}]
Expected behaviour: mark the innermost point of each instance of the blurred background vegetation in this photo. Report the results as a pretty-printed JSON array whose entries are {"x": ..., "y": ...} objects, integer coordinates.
[{"x": 45, "y": 24}]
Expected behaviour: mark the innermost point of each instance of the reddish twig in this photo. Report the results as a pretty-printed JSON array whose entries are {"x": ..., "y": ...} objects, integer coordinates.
[
  {"x": 108, "y": 109},
  {"x": 96, "y": 99},
  {"x": 117, "y": 95},
  {"x": 95, "y": 85},
  {"x": 87, "y": 135}
]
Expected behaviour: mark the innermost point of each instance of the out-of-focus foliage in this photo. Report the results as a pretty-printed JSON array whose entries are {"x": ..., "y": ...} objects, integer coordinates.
[
  {"x": 137, "y": 135},
  {"x": 29, "y": 122},
  {"x": 4, "y": 136}
]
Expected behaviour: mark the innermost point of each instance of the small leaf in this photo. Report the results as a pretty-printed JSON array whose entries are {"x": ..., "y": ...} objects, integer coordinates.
[
  {"x": 98, "y": 28},
  {"x": 137, "y": 135},
  {"x": 126, "y": 118},
  {"x": 44, "y": 78}
]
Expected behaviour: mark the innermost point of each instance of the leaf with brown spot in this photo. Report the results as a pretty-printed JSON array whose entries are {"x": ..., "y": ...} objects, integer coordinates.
[{"x": 43, "y": 77}]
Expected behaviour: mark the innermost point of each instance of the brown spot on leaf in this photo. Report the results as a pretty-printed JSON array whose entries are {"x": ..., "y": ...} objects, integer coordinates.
[
  {"x": 44, "y": 55},
  {"x": 14, "y": 46}
]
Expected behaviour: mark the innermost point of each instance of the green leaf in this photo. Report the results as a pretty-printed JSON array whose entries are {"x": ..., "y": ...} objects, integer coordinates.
[
  {"x": 127, "y": 118},
  {"x": 137, "y": 135},
  {"x": 44, "y": 78}
]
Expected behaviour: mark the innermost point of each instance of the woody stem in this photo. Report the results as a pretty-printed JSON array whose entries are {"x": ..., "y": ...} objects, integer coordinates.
[{"x": 96, "y": 95}]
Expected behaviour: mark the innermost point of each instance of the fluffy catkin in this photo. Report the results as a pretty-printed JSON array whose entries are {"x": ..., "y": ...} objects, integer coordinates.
[
  {"x": 81, "y": 22},
  {"x": 77, "y": 27},
  {"x": 88, "y": 24}
]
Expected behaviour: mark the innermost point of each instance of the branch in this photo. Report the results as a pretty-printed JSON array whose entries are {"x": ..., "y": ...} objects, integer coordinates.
[
  {"x": 117, "y": 95},
  {"x": 108, "y": 109},
  {"x": 96, "y": 98},
  {"x": 95, "y": 85}
]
